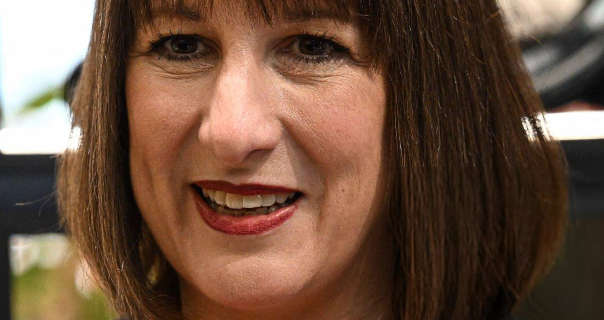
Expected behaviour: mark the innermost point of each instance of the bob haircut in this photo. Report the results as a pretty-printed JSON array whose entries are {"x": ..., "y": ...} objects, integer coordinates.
[{"x": 476, "y": 194}]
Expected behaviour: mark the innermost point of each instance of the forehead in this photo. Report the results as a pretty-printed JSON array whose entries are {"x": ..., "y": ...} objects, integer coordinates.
[{"x": 145, "y": 12}]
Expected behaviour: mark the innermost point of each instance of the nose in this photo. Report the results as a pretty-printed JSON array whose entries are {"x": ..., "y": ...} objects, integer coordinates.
[{"x": 241, "y": 120}]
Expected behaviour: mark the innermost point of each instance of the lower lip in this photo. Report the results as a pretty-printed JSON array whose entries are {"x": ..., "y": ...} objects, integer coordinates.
[{"x": 245, "y": 225}]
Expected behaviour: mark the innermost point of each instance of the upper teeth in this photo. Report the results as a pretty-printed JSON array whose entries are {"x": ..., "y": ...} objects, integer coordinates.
[{"x": 237, "y": 201}]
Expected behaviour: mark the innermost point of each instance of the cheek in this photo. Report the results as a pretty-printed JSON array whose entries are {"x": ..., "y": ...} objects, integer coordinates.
[
  {"x": 162, "y": 119},
  {"x": 340, "y": 127},
  {"x": 341, "y": 124}
]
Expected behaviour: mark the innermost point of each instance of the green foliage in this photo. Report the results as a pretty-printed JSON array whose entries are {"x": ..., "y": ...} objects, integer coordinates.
[
  {"x": 96, "y": 308},
  {"x": 42, "y": 99},
  {"x": 51, "y": 294}
]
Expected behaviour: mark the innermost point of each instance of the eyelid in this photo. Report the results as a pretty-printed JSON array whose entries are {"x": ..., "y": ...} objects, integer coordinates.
[
  {"x": 162, "y": 39},
  {"x": 353, "y": 53},
  {"x": 156, "y": 46},
  {"x": 337, "y": 54},
  {"x": 321, "y": 35}
]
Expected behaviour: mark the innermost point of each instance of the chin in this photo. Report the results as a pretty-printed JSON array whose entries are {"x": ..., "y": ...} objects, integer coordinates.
[{"x": 251, "y": 284}]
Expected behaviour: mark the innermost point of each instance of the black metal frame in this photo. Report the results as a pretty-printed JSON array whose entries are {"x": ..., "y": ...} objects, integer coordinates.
[
  {"x": 586, "y": 171},
  {"x": 27, "y": 206}
]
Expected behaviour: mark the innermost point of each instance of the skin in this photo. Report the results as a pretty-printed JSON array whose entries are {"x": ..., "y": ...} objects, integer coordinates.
[{"x": 248, "y": 112}]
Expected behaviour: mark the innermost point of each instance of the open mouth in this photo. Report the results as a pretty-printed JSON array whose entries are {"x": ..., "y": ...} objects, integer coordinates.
[{"x": 245, "y": 205}]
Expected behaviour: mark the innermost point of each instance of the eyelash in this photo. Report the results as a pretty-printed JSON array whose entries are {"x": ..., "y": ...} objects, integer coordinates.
[
  {"x": 337, "y": 50},
  {"x": 158, "y": 48}
]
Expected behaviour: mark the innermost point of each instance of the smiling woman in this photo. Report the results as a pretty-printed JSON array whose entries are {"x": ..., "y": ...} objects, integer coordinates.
[
  {"x": 310, "y": 160},
  {"x": 272, "y": 131}
]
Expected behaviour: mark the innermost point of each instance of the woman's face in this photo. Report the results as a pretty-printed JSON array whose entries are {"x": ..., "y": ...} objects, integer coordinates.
[{"x": 250, "y": 114}]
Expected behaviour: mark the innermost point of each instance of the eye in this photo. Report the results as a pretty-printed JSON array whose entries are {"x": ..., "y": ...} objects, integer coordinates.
[
  {"x": 315, "y": 49},
  {"x": 183, "y": 44},
  {"x": 314, "y": 46},
  {"x": 181, "y": 47}
]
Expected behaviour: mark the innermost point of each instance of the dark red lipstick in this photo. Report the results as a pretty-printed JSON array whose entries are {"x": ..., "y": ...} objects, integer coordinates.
[{"x": 245, "y": 224}]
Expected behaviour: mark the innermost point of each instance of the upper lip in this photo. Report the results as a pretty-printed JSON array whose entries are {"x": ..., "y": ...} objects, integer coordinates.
[{"x": 243, "y": 189}]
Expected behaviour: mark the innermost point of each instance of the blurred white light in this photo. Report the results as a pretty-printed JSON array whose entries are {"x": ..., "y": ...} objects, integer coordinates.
[
  {"x": 54, "y": 250},
  {"x": 46, "y": 131},
  {"x": 33, "y": 141},
  {"x": 527, "y": 18},
  {"x": 595, "y": 17},
  {"x": 74, "y": 140},
  {"x": 43, "y": 250},
  {"x": 576, "y": 125},
  {"x": 24, "y": 254}
]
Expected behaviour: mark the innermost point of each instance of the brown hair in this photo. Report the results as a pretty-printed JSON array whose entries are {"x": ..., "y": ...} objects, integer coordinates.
[{"x": 477, "y": 206}]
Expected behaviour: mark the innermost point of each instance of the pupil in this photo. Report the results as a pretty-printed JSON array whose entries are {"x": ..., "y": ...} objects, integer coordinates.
[
  {"x": 183, "y": 45},
  {"x": 314, "y": 46}
]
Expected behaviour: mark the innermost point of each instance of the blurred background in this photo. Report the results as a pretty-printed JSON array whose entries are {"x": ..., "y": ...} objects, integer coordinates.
[
  {"x": 41, "y": 277},
  {"x": 43, "y": 42}
]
